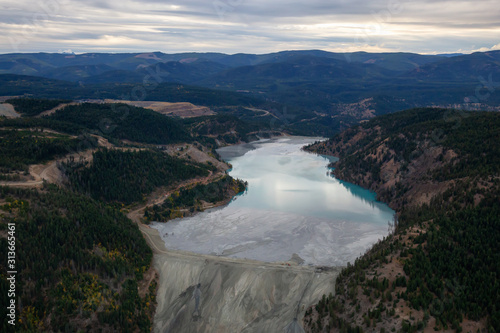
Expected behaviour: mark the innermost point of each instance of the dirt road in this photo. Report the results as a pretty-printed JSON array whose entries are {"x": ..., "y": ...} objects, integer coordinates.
[
  {"x": 48, "y": 172},
  {"x": 160, "y": 196}
]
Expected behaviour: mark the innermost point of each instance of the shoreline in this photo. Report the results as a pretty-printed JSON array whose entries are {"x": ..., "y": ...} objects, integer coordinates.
[
  {"x": 238, "y": 294},
  {"x": 246, "y": 295},
  {"x": 256, "y": 243},
  {"x": 157, "y": 244}
]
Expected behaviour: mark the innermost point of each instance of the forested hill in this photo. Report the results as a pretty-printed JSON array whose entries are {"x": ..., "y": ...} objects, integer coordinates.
[
  {"x": 75, "y": 179},
  {"x": 80, "y": 263},
  {"x": 440, "y": 266},
  {"x": 410, "y": 156},
  {"x": 122, "y": 123}
]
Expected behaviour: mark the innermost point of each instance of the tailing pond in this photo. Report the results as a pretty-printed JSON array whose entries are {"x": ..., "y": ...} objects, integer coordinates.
[{"x": 293, "y": 205}]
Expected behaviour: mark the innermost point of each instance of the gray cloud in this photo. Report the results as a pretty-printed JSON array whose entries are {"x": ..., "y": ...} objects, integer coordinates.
[{"x": 257, "y": 26}]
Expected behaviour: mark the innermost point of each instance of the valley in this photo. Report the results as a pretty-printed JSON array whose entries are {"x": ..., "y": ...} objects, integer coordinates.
[
  {"x": 292, "y": 191},
  {"x": 280, "y": 291}
]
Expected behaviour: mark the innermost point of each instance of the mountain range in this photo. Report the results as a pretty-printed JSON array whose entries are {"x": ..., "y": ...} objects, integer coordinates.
[{"x": 330, "y": 89}]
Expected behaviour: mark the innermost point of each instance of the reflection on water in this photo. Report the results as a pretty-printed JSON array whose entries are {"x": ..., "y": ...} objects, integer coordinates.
[{"x": 292, "y": 205}]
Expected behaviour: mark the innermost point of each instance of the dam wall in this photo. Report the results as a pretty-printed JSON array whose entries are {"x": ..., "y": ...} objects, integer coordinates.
[{"x": 199, "y": 293}]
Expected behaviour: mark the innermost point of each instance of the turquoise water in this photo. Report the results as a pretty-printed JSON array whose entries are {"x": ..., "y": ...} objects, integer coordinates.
[{"x": 292, "y": 205}]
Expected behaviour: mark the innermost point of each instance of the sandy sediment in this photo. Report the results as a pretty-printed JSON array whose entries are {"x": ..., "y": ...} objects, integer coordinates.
[
  {"x": 8, "y": 111},
  {"x": 236, "y": 295}
]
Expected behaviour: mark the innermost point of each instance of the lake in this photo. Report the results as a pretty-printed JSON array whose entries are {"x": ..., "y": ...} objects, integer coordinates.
[{"x": 292, "y": 206}]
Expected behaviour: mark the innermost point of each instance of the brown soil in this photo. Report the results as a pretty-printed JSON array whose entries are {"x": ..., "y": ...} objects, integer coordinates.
[
  {"x": 361, "y": 110},
  {"x": 183, "y": 110},
  {"x": 48, "y": 172},
  {"x": 198, "y": 154},
  {"x": 59, "y": 107}
]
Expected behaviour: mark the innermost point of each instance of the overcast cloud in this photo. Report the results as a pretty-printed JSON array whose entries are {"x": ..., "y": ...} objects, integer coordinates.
[{"x": 256, "y": 26}]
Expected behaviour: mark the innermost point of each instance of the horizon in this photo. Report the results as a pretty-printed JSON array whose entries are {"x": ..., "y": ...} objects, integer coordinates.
[
  {"x": 246, "y": 53},
  {"x": 238, "y": 26}
]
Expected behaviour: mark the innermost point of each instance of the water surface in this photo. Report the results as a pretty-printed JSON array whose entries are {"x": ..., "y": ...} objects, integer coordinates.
[{"x": 292, "y": 205}]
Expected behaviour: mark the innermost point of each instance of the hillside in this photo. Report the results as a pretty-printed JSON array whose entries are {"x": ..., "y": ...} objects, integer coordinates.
[
  {"x": 316, "y": 87},
  {"x": 41, "y": 63},
  {"x": 414, "y": 155},
  {"x": 123, "y": 122},
  {"x": 464, "y": 67},
  {"x": 439, "y": 169},
  {"x": 81, "y": 264},
  {"x": 152, "y": 89},
  {"x": 30, "y": 107},
  {"x": 226, "y": 129},
  {"x": 158, "y": 123},
  {"x": 197, "y": 198},
  {"x": 72, "y": 204},
  {"x": 129, "y": 176}
]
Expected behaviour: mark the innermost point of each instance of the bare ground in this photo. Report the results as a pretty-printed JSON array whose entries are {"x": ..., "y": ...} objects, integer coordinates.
[
  {"x": 53, "y": 110},
  {"x": 182, "y": 109},
  {"x": 238, "y": 295},
  {"x": 8, "y": 111}
]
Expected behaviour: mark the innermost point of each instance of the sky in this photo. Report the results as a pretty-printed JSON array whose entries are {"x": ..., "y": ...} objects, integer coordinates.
[{"x": 244, "y": 26}]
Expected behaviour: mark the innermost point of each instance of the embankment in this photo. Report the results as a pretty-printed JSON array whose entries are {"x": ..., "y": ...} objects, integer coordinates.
[{"x": 236, "y": 295}]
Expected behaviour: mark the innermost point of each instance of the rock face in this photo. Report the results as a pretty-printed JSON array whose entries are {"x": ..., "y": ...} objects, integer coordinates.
[{"x": 234, "y": 295}]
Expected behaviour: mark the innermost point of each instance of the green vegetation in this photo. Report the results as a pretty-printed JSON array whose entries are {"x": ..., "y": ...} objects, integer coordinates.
[
  {"x": 456, "y": 273},
  {"x": 81, "y": 261},
  {"x": 407, "y": 136},
  {"x": 76, "y": 257},
  {"x": 30, "y": 107},
  {"x": 323, "y": 92},
  {"x": 19, "y": 149},
  {"x": 128, "y": 176},
  {"x": 15, "y": 85},
  {"x": 191, "y": 198},
  {"x": 295, "y": 118},
  {"x": 124, "y": 122},
  {"x": 474, "y": 135},
  {"x": 112, "y": 121},
  {"x": 225, "y": 128},
  {"x": 449, "y": 248},
  {"x": 44, "y": 123}
]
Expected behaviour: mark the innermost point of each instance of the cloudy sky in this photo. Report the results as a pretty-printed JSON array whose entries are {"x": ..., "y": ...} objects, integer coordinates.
[{"x": 256, "y": 26}]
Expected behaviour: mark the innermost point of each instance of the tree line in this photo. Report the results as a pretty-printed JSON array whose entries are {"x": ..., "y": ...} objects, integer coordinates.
[
  {"x": 128, "y": 176},
  {"x": 76, "y": 257}
]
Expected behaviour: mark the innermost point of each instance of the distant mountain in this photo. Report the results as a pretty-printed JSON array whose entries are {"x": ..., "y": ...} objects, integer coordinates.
[
  {"x": 171, "y": 71},
  {"x": 42, "y": 64},
  {"x": 182, "y": 72},
  {"x": 114, "y": 76},
  {"x": 460, "y": 68},
  {"x": 326, "y": 91},
  {"x": 18, "y": 85},
  {"x": 75, "y": 73},
  {"x": 450, "y": 54},
  {"x": 391, "y": 61},
  {"x": 36, "y": 63},
  {"x": 294, "y": 70}
]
